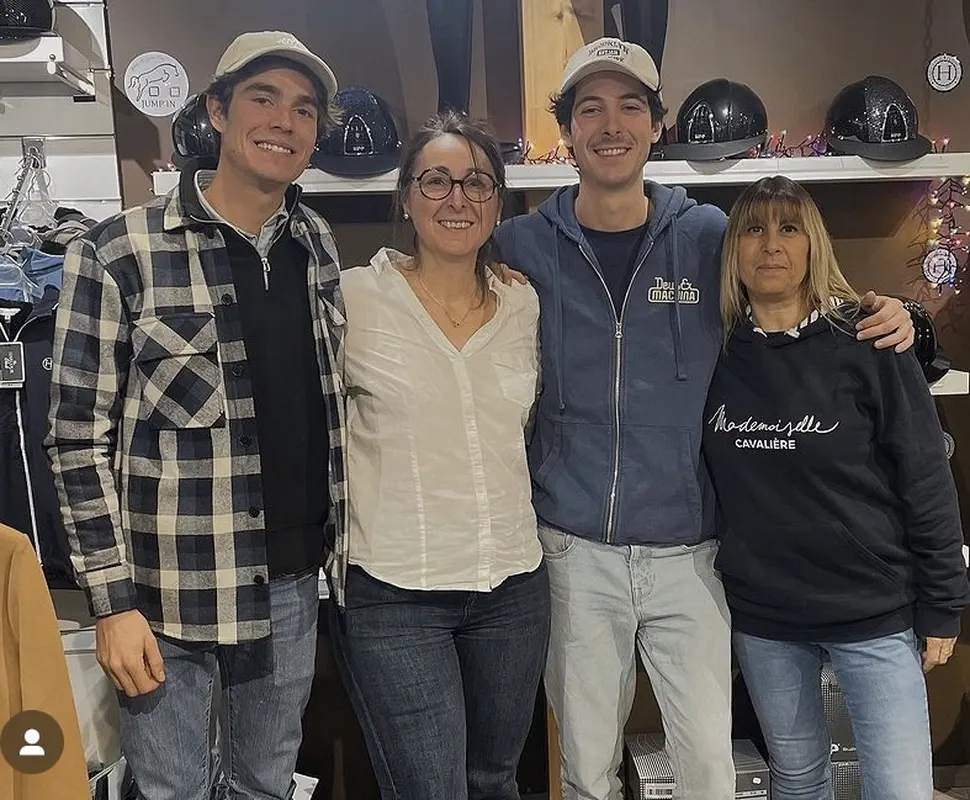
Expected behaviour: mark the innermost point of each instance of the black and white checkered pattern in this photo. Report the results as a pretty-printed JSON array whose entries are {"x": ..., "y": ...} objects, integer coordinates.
[{"x": 162, "y": 502}]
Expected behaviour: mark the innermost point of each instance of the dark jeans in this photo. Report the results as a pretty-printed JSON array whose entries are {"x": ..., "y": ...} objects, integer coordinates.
[{"x": 443, "y": 682}]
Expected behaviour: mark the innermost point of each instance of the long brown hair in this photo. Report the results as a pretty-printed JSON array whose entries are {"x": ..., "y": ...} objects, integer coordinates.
[
  {"x": 473, "y": 132},
  {"x": 780, "y": 197}
]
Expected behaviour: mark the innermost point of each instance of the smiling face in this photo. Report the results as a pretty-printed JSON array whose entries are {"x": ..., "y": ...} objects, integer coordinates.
[
  {"x": 455, "y": 226},
  {"x": 773, "y": 256},
  {"x": 611, "y": 129},
  {"x": 269, "y": 130}
]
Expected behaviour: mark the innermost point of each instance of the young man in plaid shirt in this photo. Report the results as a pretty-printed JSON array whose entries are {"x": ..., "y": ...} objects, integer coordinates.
[{"x": 197, "y": 436}]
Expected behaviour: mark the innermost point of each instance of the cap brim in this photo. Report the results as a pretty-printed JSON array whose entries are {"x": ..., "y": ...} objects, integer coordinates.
[
  {"x": 878, "y": 151},
  {"x": 356, "y": 167},
  {"x": 677, "y": 151},
  {"x": 316, "y": 65},
  {"x": 595, "y": 67}
]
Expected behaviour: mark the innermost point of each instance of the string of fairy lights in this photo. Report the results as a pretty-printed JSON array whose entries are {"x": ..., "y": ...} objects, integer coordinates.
[{"x": 942, "y": 241}]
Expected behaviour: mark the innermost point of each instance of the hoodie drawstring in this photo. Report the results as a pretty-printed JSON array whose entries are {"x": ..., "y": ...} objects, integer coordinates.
[
  {"x": 557, "y": 302},
  {"x": 676, "y": 327}
]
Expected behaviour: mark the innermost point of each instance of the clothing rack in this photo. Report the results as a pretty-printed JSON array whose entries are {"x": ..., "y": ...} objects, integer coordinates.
[{"x": 31, "y": 163}]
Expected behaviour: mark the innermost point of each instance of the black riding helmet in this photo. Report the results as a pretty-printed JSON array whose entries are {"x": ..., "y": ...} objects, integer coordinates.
[
  {"x": 875, "y": 118},
  {"x": 719, "y": 119},
  {"x": 26, "y": 19},
  {"x": 193, "y": 134},
  {"x": 926, "y": 346},
  {"x": 365, "y": 142}
]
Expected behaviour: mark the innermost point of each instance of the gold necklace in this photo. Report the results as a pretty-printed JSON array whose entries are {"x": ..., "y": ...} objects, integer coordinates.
[{"x": 456, "y": 322}]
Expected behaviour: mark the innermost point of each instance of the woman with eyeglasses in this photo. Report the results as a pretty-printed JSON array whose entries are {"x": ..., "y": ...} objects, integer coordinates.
[{"x": 442, "y": 638}]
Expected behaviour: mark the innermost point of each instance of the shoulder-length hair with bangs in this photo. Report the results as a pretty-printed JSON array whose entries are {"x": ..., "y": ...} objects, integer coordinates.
[{"x": 780, "y": 198}]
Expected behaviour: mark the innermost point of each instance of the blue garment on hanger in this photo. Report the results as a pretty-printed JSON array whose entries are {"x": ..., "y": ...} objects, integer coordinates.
[{"x": 43, "y": 269}]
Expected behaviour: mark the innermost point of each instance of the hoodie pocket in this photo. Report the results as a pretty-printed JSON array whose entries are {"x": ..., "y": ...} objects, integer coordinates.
[
  {"x": 658, "y": 492},
  {"x": 814, "y": 573}
]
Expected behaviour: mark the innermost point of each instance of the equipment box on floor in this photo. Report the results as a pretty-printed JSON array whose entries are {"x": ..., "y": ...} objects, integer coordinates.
[{"x": 650, "y": 777}]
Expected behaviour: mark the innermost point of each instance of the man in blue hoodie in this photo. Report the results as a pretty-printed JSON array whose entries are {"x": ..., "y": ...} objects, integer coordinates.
[{"x": 627, "y": 274}]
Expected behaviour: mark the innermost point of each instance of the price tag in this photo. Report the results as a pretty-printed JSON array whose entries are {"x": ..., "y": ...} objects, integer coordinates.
[{"x": 11, "y": 365}]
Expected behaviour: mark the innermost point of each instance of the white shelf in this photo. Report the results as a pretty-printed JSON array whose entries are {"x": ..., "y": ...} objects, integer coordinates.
[
  {"x": 954, "y": 382},
  {"x": 822, "y": 169},
  {"x": 43, "y": 60}
]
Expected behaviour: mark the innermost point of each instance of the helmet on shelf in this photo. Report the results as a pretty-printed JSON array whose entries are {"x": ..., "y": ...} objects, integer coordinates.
[
  {"x": 193, "y": 134},
  {"x": 366, "y": 141},
  {"x": 876, "y": 119},
  {"x": 926, "y": 346},
  {"x": 719, "y": 119},
  {"x": 26, "y": 19}
]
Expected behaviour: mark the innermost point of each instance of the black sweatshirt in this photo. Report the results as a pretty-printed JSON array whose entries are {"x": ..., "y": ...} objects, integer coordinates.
[
  {"x": 291, "y": 417},
  {"x": 838, "y": 514}
]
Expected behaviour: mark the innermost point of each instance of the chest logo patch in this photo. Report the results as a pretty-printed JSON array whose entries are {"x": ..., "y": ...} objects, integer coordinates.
[{"x": 664, "y": 291}]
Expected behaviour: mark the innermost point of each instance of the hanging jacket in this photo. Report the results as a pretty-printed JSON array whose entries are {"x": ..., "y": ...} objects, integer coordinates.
[
  {"x": 28, "y": 500},
  {"x": 615, "y": 451},
  {"x": 33, "y": 674}
]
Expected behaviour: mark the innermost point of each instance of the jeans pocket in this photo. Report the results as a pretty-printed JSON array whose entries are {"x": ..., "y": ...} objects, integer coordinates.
[{"x": 555, "y": 544}]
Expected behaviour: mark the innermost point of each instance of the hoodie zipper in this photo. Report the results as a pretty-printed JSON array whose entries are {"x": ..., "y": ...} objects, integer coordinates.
[
  {"x": 618, "y": 337},
  {"x": 264, "y": 260},
  {"x": 22, "y": 435}
]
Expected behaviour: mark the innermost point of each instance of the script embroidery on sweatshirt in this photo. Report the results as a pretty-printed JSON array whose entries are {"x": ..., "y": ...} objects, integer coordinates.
[{"x": 805, "y": 426}]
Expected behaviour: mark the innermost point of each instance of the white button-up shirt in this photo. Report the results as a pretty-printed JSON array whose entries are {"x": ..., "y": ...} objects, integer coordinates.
[{"x": 440, "y": 492}]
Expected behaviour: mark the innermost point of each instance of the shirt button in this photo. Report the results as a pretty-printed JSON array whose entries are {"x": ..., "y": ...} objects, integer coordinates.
[
  {"x": 247, "y": 441},
  {"x": 258, "y": 579},
  {"x": 238, "y": 370},
  {"x": 255, "y": 512},
  {"x": 227, "y": 299}
]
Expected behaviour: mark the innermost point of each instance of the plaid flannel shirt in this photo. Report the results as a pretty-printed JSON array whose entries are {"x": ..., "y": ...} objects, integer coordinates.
[{"x": 163, "y": 506}]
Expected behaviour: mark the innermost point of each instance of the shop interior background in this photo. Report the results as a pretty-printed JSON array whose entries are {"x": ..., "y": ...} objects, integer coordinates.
[{"x": 795, "y": 54}]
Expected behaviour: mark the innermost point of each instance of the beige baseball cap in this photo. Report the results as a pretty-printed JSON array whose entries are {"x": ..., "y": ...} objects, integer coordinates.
[
  {"x": 249, "y": 46},
  {"x": 611, "y": 55}
]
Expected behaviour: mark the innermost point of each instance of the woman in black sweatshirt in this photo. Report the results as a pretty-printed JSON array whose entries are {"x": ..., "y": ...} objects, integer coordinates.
[{"x": 839, "y": 525}]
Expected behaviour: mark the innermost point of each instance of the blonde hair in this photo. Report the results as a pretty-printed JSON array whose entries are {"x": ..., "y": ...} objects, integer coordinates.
[{"x": 778, "y": 197}]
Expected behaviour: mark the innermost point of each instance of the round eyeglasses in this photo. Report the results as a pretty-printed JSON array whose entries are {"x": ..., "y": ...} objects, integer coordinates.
[{"x": 437, "y": 185}]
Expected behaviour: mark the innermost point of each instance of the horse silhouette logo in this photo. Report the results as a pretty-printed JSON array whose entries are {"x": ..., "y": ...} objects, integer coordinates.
[{"x": 162, "y": 73}]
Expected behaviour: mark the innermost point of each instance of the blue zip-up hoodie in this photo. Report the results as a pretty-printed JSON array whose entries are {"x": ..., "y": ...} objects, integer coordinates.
[{"x": 615, "y": 449}]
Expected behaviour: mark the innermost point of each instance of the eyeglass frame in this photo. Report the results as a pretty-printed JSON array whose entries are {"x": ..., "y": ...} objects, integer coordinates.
[{"x": 461, "y": 183}]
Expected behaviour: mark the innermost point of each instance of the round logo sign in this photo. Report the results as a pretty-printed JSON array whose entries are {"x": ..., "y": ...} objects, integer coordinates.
[
  {"x": 156, "y": 84},
  {"x": 944, "y": 72},
  {"x": 940, "y": 266}
]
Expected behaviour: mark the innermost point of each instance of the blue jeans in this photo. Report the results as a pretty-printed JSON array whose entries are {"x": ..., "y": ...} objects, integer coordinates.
[
  {"x": 885, "y": 692},
  {"x": 443, "y": 682},
  {"x": 165, "y": 735},
  {"x": 608, "y": 603}
]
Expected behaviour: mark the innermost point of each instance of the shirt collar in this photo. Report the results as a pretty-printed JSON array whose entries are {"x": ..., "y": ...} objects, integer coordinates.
[
  {"x": 203, "y": 179},
  {"x": 796, "y": 330}
]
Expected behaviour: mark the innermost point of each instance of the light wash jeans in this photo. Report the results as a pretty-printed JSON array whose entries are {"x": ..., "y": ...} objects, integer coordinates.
[
  {"x": 885, "y": 692},
  {"x": 165, "y": 735},
  {"x": 608, "y": 601}
]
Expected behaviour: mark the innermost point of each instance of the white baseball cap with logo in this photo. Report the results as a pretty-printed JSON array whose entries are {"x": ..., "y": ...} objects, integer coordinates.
[
  {"x": 611, "y": 55},
  {"x": 249, "y": 46}
]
